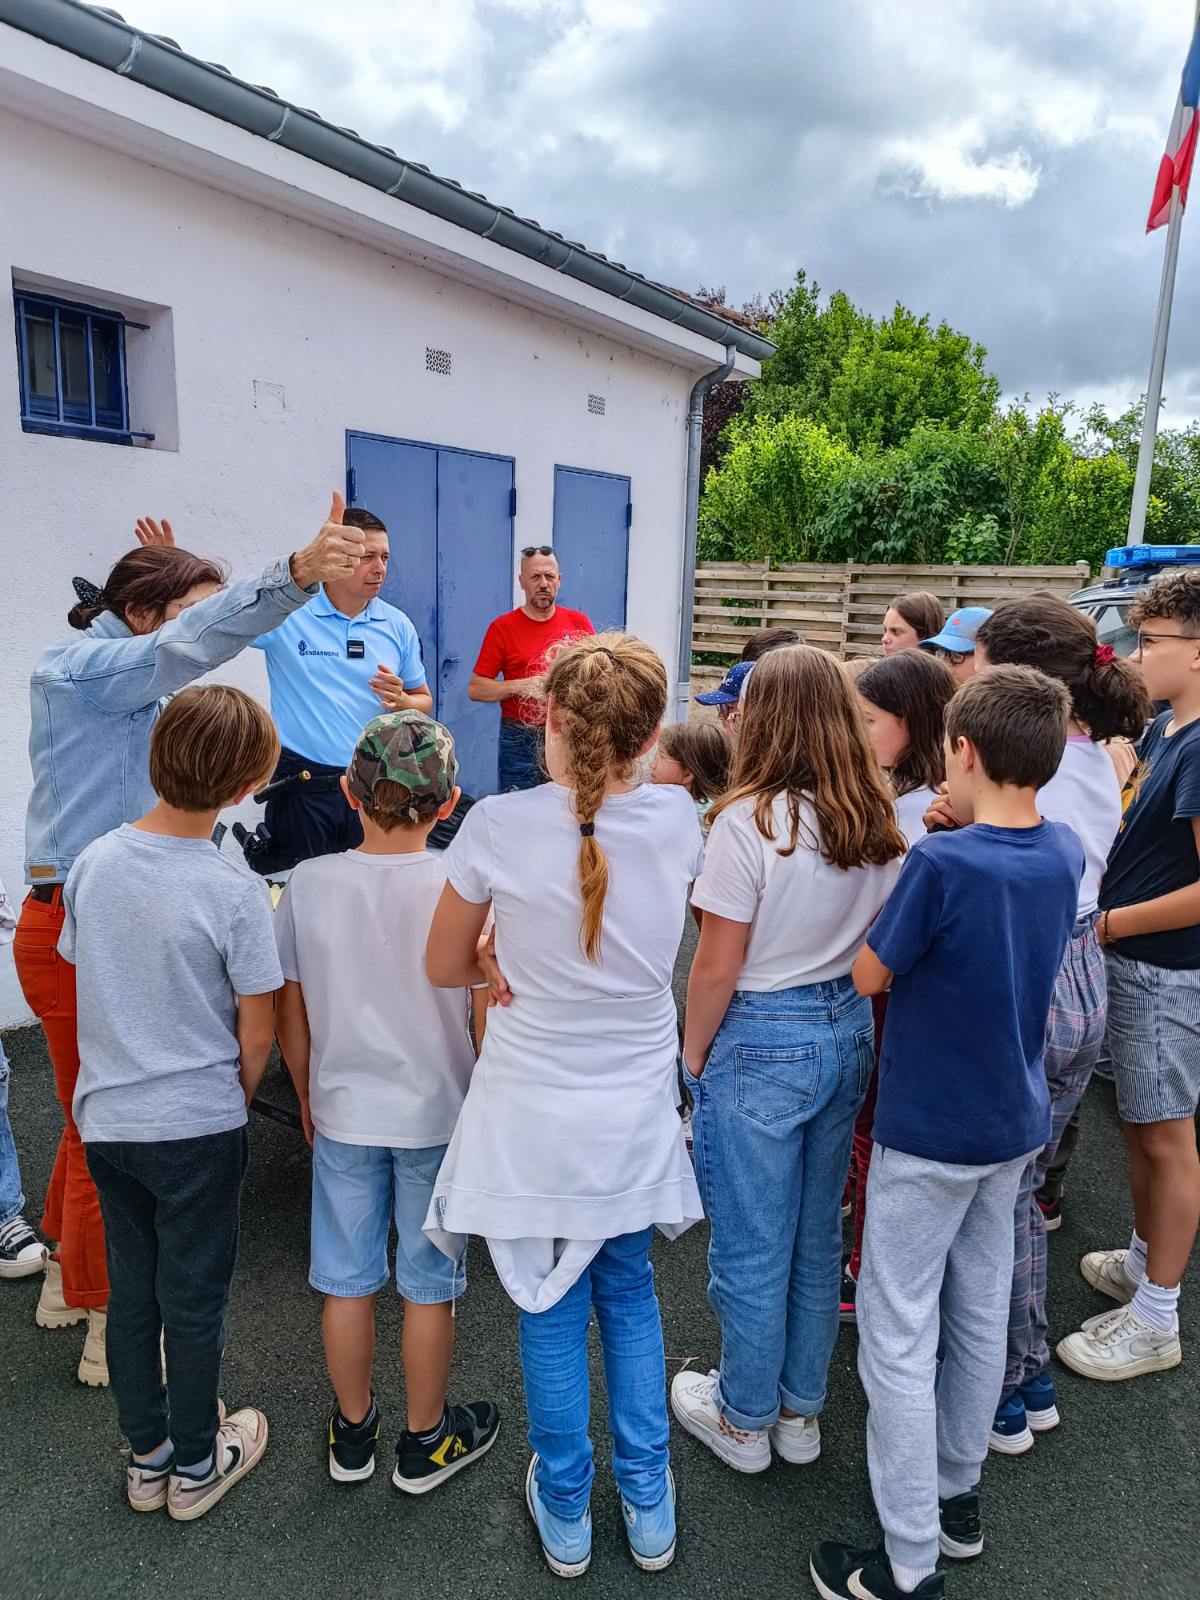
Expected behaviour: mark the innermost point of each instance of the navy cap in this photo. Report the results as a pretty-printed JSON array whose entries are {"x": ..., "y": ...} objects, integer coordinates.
[
  {"x": 729, "y": 691},
  {"x": 960, "y": 630}
]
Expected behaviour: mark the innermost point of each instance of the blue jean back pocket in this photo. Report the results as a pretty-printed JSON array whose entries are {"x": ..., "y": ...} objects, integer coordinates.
[{"x": 780, "y": 1085}]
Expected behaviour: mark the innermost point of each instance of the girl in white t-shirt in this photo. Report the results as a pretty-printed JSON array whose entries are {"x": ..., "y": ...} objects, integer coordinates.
[
  {"x": 569, "y": 1151},
  {"x": 1108, "y": 700},
  {"x": 779, "y": 1047}
]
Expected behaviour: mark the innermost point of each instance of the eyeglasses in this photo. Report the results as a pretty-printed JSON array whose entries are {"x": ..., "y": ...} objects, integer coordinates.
[
  {"x": 538, "y": 550},
  {"x": 1156, "y": 638},
  {"x": 948, "y": 656}
]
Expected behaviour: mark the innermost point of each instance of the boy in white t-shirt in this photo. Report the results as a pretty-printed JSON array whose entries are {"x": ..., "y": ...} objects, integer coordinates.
[{"x": 381, "y": 1061}]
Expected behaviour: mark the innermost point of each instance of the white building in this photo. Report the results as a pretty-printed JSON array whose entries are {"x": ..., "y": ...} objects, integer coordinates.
[{"x": 291, "y": 309}]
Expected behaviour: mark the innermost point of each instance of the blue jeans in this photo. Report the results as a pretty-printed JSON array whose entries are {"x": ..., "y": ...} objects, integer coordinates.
[
  {"x": 12, "y": 1201},
  {"x": 520, "y": 755},
  {"x": 771, "y": 1127},
  {"x": 619, "y": 1283}
]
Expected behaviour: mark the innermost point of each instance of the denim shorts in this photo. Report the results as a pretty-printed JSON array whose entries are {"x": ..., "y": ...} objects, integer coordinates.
[
  {"x": 357, "y": 1191},
  {"x": 1153, "y": 1039}
]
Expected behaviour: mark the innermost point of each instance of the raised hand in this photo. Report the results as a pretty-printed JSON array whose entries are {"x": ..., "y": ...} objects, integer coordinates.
[
  {"x": 150, "y": 532},
  {"x": 334, "y": 553}
]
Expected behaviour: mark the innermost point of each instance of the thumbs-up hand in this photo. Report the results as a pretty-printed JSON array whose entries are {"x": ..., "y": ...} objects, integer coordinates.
[{"x": 333, "y": 554}]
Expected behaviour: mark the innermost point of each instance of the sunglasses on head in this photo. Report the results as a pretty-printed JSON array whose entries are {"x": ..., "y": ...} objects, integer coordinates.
[{"x": 538, "y": 550}]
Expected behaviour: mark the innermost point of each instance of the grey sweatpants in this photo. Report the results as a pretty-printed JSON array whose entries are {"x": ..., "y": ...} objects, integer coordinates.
[{"x": 937, "y": 1258}]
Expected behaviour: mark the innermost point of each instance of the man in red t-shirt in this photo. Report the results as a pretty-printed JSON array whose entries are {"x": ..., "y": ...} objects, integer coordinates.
[{"x": 512, "y": 660}]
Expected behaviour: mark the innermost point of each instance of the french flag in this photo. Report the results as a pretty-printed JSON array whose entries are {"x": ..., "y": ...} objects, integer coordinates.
[{"x": 1175, "y": 168}]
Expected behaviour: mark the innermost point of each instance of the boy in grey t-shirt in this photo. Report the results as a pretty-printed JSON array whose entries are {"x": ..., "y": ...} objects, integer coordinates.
[{"x": 176, "y": 970}]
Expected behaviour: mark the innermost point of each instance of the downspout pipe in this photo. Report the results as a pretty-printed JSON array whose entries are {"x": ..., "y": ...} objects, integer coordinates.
[{"x": 691, "y": 514}]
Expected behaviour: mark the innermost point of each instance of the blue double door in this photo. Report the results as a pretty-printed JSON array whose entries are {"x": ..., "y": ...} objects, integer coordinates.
[{"x": 449, "y": 516}]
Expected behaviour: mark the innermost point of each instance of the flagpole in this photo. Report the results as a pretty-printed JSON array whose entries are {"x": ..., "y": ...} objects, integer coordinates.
[{"x": 1158, "y": 356}]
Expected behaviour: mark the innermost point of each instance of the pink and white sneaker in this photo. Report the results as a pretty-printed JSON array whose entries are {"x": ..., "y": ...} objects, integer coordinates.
[{"x": 240, "y": 1443}]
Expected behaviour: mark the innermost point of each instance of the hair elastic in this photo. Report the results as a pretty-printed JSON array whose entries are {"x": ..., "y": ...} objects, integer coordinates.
[
  {"x": 603, "y": 650},
  {"x": 87, "y": 593},
  {"x": 587, "y": 829},
  {"x": 1104, "y": 654}
]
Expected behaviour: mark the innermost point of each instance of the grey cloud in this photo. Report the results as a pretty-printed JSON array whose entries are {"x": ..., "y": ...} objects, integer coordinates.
[{"x": 736, "y": 143}]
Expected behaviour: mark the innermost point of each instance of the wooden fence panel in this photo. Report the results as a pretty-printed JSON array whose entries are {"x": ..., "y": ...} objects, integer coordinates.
[{"x": 841, "y": 607}]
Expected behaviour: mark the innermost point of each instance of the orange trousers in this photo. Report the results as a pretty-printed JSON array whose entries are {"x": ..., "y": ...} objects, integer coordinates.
[{"x": 72, "y": 1211}]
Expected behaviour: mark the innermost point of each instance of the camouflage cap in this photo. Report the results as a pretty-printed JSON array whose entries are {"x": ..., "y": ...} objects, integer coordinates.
[{"x": 410, "y": 749}]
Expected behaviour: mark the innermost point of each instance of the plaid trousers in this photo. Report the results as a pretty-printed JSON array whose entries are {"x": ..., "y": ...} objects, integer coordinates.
[{"x": 1074, "y": 1035}]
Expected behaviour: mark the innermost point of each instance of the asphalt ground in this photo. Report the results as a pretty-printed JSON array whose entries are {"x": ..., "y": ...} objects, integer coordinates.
[{"x": 1105, "y": 1507}]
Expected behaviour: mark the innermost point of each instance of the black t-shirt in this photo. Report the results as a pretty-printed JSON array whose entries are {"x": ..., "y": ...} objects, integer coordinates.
[{"x": 1155, "y": 851}]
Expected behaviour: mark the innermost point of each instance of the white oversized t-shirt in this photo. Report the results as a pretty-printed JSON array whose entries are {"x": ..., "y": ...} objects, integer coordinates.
[
  {"x": 570, "y": 1133},
  {"x": 524, "y": 859},
  {"x": 808, "y": 920},
  {"x": 1085, "y": 793},
  {"x": 391, "y": 1057}
]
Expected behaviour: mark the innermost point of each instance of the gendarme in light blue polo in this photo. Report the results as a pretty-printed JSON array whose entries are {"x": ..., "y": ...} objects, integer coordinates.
[{"x": 320, "y": 663}]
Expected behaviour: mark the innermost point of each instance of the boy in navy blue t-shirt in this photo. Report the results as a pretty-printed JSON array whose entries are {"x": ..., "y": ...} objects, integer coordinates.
[
  {"x": 970, "y": 943},
  {"x": 1150, "y": 929}
]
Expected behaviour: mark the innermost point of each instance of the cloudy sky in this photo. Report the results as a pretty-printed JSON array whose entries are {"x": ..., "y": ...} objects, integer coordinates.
[{"x": 987, "y": 163}]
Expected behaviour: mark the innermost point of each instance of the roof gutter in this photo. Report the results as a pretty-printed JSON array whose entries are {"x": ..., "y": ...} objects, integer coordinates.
[
  {"x": 103, "y": 38},
  {"x": 691, "y": 516}
]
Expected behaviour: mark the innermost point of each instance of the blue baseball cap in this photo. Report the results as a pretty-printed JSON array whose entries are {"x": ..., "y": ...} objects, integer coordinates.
[
  {"x": 960, "y": 630},
  {"x": 729, "y": 690}
]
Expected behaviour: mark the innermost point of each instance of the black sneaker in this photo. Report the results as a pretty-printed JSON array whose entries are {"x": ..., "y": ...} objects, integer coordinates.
[
  {"x": 961, "y": 1535},
  {"x": 1051, "y": 1209},
  {"x": 467, "y": 1433},
  {"x": 848, "y": 1305},
  {"x": 22, "y": 1253},
  {"x": 352, "y": 1445},
  {"x": 834, "y": 1567}
]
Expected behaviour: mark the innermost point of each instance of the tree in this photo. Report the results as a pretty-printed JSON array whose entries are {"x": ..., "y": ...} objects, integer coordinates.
[
  {"x": 898, "y": 374},
  {"x": 766, "y": 500}
]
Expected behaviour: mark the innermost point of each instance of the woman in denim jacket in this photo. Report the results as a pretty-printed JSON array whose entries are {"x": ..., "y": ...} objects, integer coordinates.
[{"x": 162, "y": 619}]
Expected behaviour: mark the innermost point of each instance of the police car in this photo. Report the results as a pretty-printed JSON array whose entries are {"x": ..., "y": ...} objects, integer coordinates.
[{"x": 1128, "y": 570}]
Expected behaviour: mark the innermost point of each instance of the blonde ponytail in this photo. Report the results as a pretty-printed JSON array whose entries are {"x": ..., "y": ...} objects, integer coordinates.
[{"x": 608, "y": 694}]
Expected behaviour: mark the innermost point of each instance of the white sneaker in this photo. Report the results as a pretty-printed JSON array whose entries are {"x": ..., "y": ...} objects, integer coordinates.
[
  {"x": 93, "y": 1363},
  {"x": 1105, "y": 1271},
  {"x": 1121, "y": 1345},
  {"x": 52, "y": 1310},
  {"x": 693, "y": 1400},
  {"x": 796, "y": 1439}
]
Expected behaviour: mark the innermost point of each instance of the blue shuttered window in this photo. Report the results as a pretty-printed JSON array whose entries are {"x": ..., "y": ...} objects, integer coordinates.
[{"x": 71, "y": 364}]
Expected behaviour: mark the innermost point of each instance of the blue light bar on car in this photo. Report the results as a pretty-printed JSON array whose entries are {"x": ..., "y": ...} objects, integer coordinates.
[{"x": 1154, "y": 555}]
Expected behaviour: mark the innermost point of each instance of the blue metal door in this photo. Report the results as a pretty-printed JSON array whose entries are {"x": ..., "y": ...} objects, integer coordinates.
[
  {"x": 449, "y": 519},
  {"x": 475, "y": 584},
  {"x": 591, "y": 539}
]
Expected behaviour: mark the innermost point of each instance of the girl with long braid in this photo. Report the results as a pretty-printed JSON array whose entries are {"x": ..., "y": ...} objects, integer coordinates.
[{"x": 569, "y": 1150}]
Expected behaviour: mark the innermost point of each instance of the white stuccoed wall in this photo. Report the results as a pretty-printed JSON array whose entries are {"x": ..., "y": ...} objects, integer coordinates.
[{"x": 342, "y": 328}]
